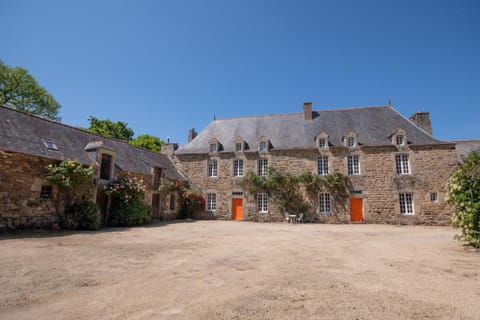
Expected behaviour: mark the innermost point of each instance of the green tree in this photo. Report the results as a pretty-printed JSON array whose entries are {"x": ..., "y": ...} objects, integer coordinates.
[
  {"x": 109, "y": 128},
  {"x": 20, "y": 90},
  {"x": 148, "y": 142},
  {"x": 463, "y": 192}
]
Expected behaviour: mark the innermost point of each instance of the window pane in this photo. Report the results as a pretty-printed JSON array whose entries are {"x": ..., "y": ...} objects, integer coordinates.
[
  {"x": 323, "y": 165},
  {"x": 262, "y": 167},
  {"x": 212, "y": 168},
  {"x": 406, "y": 203},
  {"x": 211, "y": 202},
  {"x": 262, "y": 202},
  {"x": 324, "y": 203},
  {"x": 237, "y": 168}
]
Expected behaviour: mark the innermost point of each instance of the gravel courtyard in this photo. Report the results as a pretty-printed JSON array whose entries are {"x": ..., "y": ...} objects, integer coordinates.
[{"x": 240, "y": 270}]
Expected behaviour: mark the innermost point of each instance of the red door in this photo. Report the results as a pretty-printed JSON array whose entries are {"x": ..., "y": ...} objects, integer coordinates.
[
  {"x": 356, "y": 209},
  {"x": 237, "y": 210}
]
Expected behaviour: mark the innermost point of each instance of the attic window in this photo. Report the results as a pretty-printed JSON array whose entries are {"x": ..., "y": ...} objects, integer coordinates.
[
  {"x": 399, "y": 140},
  {"x": 322, "y": 143},
  {"x": 50, "y": 145},
  {"x": 263, "y": 146},
  {"x": 213, "y": 147},
  {"x": 351, "y": 142},
  {"x": 238, "y": 146}
]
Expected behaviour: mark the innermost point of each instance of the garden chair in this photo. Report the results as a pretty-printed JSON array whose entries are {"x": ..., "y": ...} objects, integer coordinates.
[{"x": 299, "y": 218}]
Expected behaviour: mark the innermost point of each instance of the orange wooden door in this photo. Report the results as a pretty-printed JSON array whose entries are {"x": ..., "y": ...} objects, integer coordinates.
[
  {"x": 356, "y": 209},
  {"x": 237, "y": 211}
]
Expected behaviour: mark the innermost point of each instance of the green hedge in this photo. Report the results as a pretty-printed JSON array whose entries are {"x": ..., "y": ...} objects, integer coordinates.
[{"x": 130, "y": 214}]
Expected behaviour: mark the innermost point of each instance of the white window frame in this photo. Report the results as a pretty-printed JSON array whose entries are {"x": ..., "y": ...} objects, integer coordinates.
[
  {"x": 212, "y": 168},
  {"x": 262, "y": 167},
  {"x": 211, "y": 202},
  {"x": 262, "y": 202},
  {"x": 402, "y": 164},
  {"x": 407, "y": 205},
  {"x": 213, "y": 147},
  {"x": 238, "y": 146},
  {"x": 238, "y": 168},
  {"x": 322, "y": 143},
  {"x": 399, "y": 140},
  {"x": 351, "y": 142},
  {"x": 324, "y": 203},
  {"x": 322, "y": 165},
  {"x": 353, "y": 165},
  {"x": 263, "y": 146},
  {"x": 434, "y": 197}
]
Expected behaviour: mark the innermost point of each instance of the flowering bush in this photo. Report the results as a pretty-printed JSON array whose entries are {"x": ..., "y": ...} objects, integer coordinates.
[
  {"x": 125, "y": 189},
  {"x": 463, "y": 192},
  {"x": 193, "y": 203}
]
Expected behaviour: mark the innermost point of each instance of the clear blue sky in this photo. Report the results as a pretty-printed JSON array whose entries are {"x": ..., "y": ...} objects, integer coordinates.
[{"x": 168, "y": 66}]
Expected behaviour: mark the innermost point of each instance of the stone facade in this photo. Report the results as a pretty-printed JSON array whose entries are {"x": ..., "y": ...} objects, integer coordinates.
[{"x": 378, "y": 184}]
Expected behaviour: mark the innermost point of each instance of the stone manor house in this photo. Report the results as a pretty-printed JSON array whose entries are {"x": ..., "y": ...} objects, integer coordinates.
[{"x": 396, "y": 168}]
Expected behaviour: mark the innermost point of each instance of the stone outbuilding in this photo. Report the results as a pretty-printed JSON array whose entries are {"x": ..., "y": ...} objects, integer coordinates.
[{"x": 28, "y": 144}]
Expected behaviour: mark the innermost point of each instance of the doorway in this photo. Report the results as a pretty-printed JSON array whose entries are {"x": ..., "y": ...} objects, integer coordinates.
[
  {"x": 356, "y": 209},
  {"x": 237, "y": 209}
]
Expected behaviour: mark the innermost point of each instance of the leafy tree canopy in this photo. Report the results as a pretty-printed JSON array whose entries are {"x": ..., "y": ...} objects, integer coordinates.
[
  {"x": 109, "y": 128},
  {"x": 463, "y": 192},
  {"x": 149, "y": 142},
  {"x": 19, "y": 90}
]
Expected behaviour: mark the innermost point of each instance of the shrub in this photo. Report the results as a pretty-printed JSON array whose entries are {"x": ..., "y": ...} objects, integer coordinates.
[
  {"x": 86, "y": 215},
  {"x": 130, "y": 214}
]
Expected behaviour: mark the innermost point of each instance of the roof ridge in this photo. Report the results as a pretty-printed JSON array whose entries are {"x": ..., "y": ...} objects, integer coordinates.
[
  {"x": 298, "y": 113},
  {"x": 75, "y": 128}
]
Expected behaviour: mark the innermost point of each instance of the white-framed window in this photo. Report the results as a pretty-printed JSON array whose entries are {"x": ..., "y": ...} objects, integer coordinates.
[
  {"x": 399, "y": 140},
  {"x": 351, "y": 142},
  {"x": 263, "y": 146},
  {"x": 211, "y": 201},
  {"x": 322, "y": 165},
  {"x": 353, "y": 165},
  {"x": 262, "y": 202},
  {"x": 322, "y": 143},
  {"x": 238, "y": 168},
  {"x": 213, "y": 147},
  {"x": 402, "y": 164},
  {"x": 433, "y": 197},
  {"x": 406, "y": 204},
  {"x": 324, "y": 202},
  {"x": 238, "y": 146},
  {"x": 212, "y": 168},
  {"x": 262, "y": 167}
]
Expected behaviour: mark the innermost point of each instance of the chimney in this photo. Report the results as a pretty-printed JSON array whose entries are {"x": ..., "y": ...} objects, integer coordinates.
[
  {"x": 307, "y": 111},
  {"x": 168, "y": 149},
  {"x": 422, "y": 120},
  {"x": 191, "y": 134}
]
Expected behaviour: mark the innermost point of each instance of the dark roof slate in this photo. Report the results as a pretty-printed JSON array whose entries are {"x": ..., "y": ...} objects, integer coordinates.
[
  {"x": 373, "y": 126},
  {"x": 464, "y": 147},
  {"x": 25, "y": 133}
]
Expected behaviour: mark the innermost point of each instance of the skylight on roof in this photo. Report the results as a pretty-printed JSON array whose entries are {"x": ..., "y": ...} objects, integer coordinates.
[{"x": 50, "y": 145}]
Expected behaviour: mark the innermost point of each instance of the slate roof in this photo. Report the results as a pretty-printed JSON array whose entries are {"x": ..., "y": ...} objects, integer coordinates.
[
  {"x": 373, "y": 125},
  {"x": 464, "y": 147},
  {"x": 25, "y": 133}
]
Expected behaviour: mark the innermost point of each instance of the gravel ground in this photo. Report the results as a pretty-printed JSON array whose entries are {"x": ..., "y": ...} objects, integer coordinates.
[{"x": 240, "y": 270}]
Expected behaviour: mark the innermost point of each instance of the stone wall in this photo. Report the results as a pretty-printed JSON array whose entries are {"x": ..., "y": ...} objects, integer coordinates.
[
  {"x": 378, "y": 184},
  {"x": 21, "y": 181}
]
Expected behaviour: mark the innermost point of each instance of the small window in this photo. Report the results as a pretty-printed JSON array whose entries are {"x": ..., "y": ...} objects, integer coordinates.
[
  {"x": 46, "y": 192},
  {"x": 212, "y": 168},
  {"x": 325, "y": 205},
  {"x": 399, "y": 140},
  {"x": 238, "y": 168},
  {"x": 238, "y": 146},
  {"x": 237, "y": 193},
  {"x": 262, "y": 202},
  {"x": 50, "y": 145},
  {"x": 356, "y": 192},
  {"x": 322, "y": 143},
  {"x": 262, "y": 167},
  {"x": 105, "y": 166},
  {"x": 213, "y": 147},
  {"x": 322, "y": 165},
  {"x": 351, "y": 142},
  {"x": 433, "y": 197},
  {"x": 406, "y": 204},
  {"x": 401, "y": 161},
  {"x": 263, "y": 146},
  {"x": 353, "y": 165},
  {"x": 211, "y": 202},
  {"x": 173, "y": 202}
]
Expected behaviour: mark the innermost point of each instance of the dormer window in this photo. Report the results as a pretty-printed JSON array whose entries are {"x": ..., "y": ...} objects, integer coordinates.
[
  {"x": 50, "y": 145},
  {"x": 213, "y": 147},
  {"x": 351, "y": 142},
  {"x": 399, "y": 141},
  {"x": 398, "y": 138},
  {"x": 322, "y": 140},
  {"x": 322, "y": 143},
  {"x": 350, "y": 139},
  {"x": 263, "y": 146},
  {"x": 238, "y": 146}
]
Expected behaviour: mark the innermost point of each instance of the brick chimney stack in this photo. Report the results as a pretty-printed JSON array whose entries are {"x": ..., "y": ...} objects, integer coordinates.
[
  {"x": 191, "y": 134},
  {"x": 307, "y": 111},
  {"x": 422, "y": 120}
]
